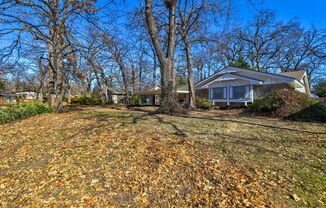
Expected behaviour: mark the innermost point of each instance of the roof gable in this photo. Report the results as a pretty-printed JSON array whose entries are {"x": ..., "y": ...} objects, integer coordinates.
[
  {"x": 295, "y": 74},
  {"x": 231, "y": 77},
  {"x": 248, "y": 74}
]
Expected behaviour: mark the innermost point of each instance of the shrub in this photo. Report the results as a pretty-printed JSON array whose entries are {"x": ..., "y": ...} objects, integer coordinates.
[
  {"x": 321, "y": 88},
  {"x": 135, "y": 100},
  {"x": 22, "y": 110},
  {"x": 315, "y": 112},
  {"x": 282, "y": 103},
  {"x": 203, "y": 103},
  {"x": 86, "y": 101}
]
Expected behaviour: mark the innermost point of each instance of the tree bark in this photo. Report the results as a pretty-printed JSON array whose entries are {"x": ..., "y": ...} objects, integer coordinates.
[
  {"x": 100, "y": 86},
  {"x": 191, "y": 85},
  {"x": 52, "y": 70},
  {"x": 104, "y": 83},
  {"x": 42, "y": 79},
  {"x": 169, "y": 102},
  {"x": 59, "y": 79},
  {"x": 124, "y": 77}
]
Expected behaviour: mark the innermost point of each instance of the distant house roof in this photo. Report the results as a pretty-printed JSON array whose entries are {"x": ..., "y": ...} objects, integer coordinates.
[
  {"x": 2, "y": 93},
  {"x": 183, "y": 89},
  {"x": 295, "y": 74},
  {"x": 116, "y": 91}
]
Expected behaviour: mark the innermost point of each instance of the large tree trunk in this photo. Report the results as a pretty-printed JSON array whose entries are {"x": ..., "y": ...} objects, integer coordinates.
[
  {"x": 60, "y": 67},
  {"x": 42, "y": 79},
  {"x": 52, "y": 72},
  {"x": 191, "y": 86},
  {"x": 169, "y": 102},
  {"x": 133, "y": 80},
  {"x": 104, "y": 83},
  {"x": 154, "y": 70},
  {"x": 100, "y": 86},
  {"x": 124, "y": 77},
  {"x": 69, "y": 94}
]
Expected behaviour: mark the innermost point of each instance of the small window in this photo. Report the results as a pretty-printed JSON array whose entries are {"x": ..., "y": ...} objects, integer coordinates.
[
  {"x": 218, "y": 93},
  {"x": 239, "y": 92}
]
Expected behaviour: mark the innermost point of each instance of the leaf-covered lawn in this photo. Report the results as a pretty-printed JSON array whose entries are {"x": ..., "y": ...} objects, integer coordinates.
[{"x": 98, "y": 157}]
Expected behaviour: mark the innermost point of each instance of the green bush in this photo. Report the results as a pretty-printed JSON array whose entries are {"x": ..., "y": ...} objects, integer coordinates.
[
  {"x": 86, "y": 101},
  {"x": 261, "y": 105},
  {"x": 321, "y": 88},
  {"x": 135, "y": 100},
  {"x": 282, "y": 103},
  {"x": 203, "y": 103},
  {"x": 22, "y": 110},
  {"x": 315, "y": 112}
]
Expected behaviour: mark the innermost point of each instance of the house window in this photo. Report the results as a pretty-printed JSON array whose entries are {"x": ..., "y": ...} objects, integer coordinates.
[
  {"x": 218, "y": 93},
  {"x": 240, "y": 92}
]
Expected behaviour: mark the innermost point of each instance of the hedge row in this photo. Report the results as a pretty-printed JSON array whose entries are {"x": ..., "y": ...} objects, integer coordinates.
[
  {"x": 22, "y": 110},
  {"x": 290, "y": 104},
  {"x": 88, "y": 101}
]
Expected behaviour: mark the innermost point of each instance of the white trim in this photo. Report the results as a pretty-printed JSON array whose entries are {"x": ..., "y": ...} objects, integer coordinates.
[
  {"x": 228, "y": 98},
  {"x": 235, "y": 69},
  {"x": 228, "y": 77},
  {"x": 299, "y": 83},
  {"x": 230, "y": 69}
]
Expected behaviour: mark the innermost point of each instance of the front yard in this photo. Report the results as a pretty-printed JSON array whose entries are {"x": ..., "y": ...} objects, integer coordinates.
[{"x": 99, "y": 157}]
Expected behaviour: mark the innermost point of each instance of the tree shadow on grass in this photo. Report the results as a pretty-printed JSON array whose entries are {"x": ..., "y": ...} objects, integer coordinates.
[
  {"x": 155, "y": 115},
  {"x": 225, "y": 118},
  {"x": 214, "y": 118}
]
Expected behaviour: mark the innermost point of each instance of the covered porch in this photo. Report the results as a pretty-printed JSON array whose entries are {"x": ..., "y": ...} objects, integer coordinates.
[
  {"x": 153, "y": 97},
  {"x": 231, "y": 88}
]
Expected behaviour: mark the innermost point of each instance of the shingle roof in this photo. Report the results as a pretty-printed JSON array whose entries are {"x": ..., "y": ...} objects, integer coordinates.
[
  {"x": 116, "y": 91},
  {"x": 213, "y": 76},
  {"x": 182, "y": 88},
  {"x": 294, "y": 74}
]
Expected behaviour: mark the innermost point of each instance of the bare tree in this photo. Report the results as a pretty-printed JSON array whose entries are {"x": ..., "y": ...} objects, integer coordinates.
[
  {"x": 46, "y": 21},
  {"x": 169, "y": 103}
]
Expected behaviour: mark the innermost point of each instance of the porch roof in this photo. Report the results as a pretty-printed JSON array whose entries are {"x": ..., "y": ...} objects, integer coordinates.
[{"x": 157, "y": 91}]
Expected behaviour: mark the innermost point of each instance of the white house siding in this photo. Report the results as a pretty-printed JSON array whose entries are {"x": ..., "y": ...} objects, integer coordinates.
[
  {"x": 28, "y": 95},
  {"x": 258, "y": 84}
]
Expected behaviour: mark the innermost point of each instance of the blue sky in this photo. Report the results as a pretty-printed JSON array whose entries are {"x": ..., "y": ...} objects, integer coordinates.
[{"x": 308, "y": 11}]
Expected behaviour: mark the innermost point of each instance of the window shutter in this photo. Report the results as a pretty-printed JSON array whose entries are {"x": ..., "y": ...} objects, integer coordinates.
[{"x": 231, "y": 92}]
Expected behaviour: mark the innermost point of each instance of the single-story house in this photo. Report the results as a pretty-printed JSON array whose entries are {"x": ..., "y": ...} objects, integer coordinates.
[
  {"x": 235, "y": 85},
  {"x": 153, "y": 96},
  {"x": 27, "y": 94},
  {"x": 8, "y": 97},
  {"x": 116, "y": 95}
]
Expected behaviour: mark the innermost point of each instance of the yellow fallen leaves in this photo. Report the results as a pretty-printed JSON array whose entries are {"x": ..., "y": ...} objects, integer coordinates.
[{"x": 102, "y": 159}]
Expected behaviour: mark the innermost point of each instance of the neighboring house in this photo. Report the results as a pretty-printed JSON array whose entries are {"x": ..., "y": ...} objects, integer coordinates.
[
  {"x": 235, "y": 85},
  {"x": 116, "y": 95},
  {"x": 153, "y": 96},
  {"x": 8, "y": 97},
  {"x": 27, "y": 95}
]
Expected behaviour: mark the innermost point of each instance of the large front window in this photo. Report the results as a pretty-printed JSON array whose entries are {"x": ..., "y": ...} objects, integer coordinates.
[
  {"x": 239, "y": 92},
  {"x": 218, "y": 93},
  {"x": 231, "y": 93}
]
